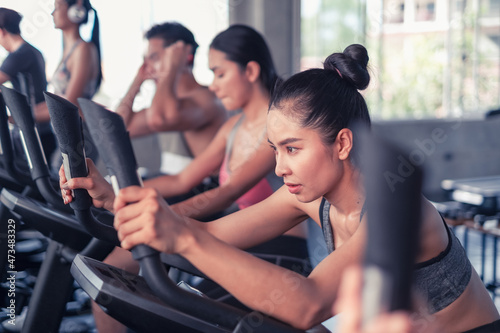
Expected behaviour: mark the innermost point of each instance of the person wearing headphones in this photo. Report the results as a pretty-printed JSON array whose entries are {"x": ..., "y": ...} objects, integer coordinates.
[
  {"x": 79, "y": 72},
  {"x": 24, "y": 67}
]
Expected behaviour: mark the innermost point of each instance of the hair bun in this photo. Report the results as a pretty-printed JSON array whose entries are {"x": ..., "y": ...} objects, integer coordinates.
[{"x": 351, "y": 65}]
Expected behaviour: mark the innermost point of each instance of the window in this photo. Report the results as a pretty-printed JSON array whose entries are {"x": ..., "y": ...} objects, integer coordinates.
[
  {"x": 428, "y": 58},
  {"x": 394, "y": 11},
  {"x": 425, "y": 10}
]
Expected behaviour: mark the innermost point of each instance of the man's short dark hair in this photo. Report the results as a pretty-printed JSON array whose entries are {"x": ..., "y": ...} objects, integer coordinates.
[
  {"x": 9, "y": 20},
  {"x": 172, "y": 32}
]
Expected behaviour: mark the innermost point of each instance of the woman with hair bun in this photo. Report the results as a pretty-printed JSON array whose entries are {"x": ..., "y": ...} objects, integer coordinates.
[{"x": 310, "y": 128}]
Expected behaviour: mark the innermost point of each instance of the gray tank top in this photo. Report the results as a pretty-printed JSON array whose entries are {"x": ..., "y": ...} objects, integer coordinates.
[
  {"x": 274, "y": 181},
  {"x": 440, "y": 280},
  {"x": 61, "y": 78},
  {"x": 326, "y": 226}
]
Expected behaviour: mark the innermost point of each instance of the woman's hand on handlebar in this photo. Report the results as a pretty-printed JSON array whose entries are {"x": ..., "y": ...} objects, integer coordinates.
[
  {"x": 349, "y": 304},
  {"x": 98, "y": 188},
  {"x": 142, "y": 216}
]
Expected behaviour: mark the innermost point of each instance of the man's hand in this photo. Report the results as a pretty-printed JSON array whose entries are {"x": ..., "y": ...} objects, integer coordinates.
[{"x": 174, "y": 58}]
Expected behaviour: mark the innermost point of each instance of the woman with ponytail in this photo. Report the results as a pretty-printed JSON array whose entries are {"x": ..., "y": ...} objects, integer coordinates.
[
  {"x": 79, "y": 72},
  {"x": 244, "y": 76},
  {"x": 310, "y": 127}
]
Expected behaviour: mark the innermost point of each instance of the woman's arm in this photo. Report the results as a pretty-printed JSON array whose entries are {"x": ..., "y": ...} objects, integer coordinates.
[
  {"x": 349, "y": 302},
  {"x": 143, "y": 218},
  {"x": 242, "y": 179},
  {"x": 258, "y": 223},
  {"x": 4, "y": 77},
  {"x": 243, "y": 229},
  {"x": 170, "y": 112},
  {"x": 281, "y": 293},
  {"x": 202, "y": 166},
  {"x": 41, "y": 112},
  {"x": 102, "y": 192}
]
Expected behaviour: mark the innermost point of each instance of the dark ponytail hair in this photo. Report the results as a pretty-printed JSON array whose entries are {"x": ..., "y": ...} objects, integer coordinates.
[
  {"x": 243, "y": 44},
  {"x": 95, "y": 38},
  {"x": 328, "y": 99}
]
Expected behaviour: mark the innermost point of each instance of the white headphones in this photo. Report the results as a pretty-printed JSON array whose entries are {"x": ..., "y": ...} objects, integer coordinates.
[{"x": 77, "y": 12}]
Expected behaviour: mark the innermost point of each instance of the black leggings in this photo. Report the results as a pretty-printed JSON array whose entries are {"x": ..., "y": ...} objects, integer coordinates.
[
  {"x": 488, "y": 328},
  {"x": 286, "y": 251}
]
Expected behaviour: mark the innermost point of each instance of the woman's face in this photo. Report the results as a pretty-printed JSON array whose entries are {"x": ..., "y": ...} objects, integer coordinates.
[
  {"x": 308, "y": 167},
  {"x": 60, "y": 14},
  {"x": 230, "y": 84}
]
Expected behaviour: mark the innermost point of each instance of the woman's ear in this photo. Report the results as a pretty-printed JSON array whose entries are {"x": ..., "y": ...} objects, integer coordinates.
[
  {"x": 344, "y": 143},
  {"x": 252, "y": 71}
]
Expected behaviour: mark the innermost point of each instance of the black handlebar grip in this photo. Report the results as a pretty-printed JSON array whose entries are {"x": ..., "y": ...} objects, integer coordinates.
[
  {"x": 7, "y": 150},
  {"x": 393, "y": 204},
  {"x": 21, "y": 112},
  {"x": 113, "y": 142},
  {"x": 67, "y": 126},
  {"x": 5, "y": 142},
  {"x": 118, "y": 155}
]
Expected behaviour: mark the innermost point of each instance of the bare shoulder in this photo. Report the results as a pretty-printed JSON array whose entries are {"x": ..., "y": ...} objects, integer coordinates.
[
  {"x": 84, "y": 53},
  {"x": 432, "y": 221},
  {"x": 434, "y": 237},
  {"x": 85, "y": 49},
  {"x": 203, "y": 96}
]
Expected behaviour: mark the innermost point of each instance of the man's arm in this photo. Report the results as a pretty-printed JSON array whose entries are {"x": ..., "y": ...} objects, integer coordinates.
[
  {"x": 170, "y": 112},
  {"x": 4, "y": 77},
  {"x": 9, "y": 68},
  {"x": 202, "y": 166},
  {"x": 41, "y": 112},
  {"x": 134, "y": 121}
]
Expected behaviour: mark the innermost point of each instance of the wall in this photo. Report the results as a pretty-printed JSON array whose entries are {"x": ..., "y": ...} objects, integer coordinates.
[
  {"x": 447, "y": 149},
  {"x": 279, "y": 22}
]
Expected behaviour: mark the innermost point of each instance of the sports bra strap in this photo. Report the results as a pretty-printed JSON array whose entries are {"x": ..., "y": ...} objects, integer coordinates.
[
  {"x": 326, "y": 226},
  {"x": 71, "y": 52},
  {"x": 324, "y": 216}
]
